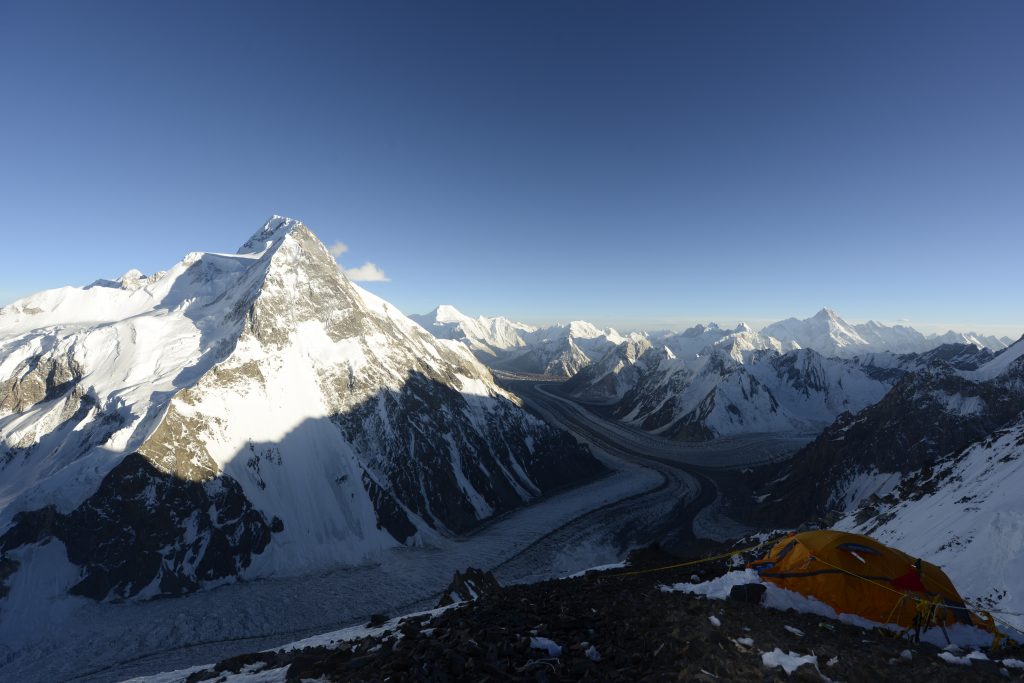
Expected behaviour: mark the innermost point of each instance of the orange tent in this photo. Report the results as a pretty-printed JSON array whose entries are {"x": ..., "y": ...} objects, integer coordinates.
[{"x": 856, "y": 574}]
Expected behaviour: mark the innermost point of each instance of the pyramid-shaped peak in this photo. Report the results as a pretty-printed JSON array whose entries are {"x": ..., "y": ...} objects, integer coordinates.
[
  {"x": 274, "y": 230},
  {"x": 448, "y": 313},
  {"x": 826, "y": 313}
]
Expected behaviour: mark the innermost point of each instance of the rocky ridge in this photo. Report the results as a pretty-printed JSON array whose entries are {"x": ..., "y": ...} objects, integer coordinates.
[
  {"x": 934, "y": 411},
  {"x": 608, "y": 626}
]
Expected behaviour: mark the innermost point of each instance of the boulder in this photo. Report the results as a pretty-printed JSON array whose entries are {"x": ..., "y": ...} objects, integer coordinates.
[{"x": 468, "y": 585}]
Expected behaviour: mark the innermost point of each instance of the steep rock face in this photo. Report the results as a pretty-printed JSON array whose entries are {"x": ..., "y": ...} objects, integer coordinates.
[
  {"x": 737, "y": 402},
  {"x": 817, "y": 388},
  {"x": 614, "y": 374},
  {"x": 693, "y": 405},
  {"x": 461, "y": 472},
  {"x": 743, "y": 382},
  {"x": 957, "y": 356},
  {"x": 734, "y": 387},
  {"x": 37, "y": 379},
  {"x": 128, "y": 540},
  {"x": 252, "y": 414},
  {"x": 620, "y": 370},
  {"x": 929, "y": 414}
]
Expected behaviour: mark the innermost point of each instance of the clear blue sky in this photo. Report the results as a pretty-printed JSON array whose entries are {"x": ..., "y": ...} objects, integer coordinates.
[{"x": 628, "y": 163}]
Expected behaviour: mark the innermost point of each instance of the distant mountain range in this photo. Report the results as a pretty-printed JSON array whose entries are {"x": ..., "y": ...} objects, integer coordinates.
[
  {"x": 707, "y": 381},
  {"x": 744, "y": 382},
  {"x": 828, "y": 334},
  {"x": 563, "y": 350},
  {"x": 559, "y": 350}
]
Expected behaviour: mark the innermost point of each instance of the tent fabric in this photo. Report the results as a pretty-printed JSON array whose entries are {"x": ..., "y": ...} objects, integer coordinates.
[{"x": 855, "y": 574}]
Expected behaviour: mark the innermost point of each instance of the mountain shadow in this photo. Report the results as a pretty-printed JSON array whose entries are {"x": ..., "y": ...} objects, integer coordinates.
[
  {"x": 145, "y": 528},
  {"x": 424, "y": 457}
]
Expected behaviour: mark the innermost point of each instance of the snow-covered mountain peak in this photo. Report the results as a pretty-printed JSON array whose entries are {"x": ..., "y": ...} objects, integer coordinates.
[
  {"x": 131, "y": 276},
  {"x": 131, "y": 280},
  {"x": 273, "y": 231},
  {"x": 446, "y": 313},
  {"x": 583, "y": 329},
  {"x": 485, "y": 337},
  {"x": 266, "y": 413},
  {"x": 829, "y": 334},
  {"x": 825, "y": 331},
  {"x": 698, "y": 330}
]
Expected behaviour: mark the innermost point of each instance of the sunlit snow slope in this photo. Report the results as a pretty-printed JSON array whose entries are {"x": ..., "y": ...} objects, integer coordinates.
[
  {"x": 967, "y": 515},
  {"x": 247, "y": 414}
]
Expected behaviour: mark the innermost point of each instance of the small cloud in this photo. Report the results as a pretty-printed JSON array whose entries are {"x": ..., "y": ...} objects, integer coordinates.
[
  {"x": 337, "y": 249},
  {"x": 368, "y": 272}
]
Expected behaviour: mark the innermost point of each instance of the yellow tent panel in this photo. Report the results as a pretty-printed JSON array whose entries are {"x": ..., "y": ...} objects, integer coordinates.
[{"x": 856, "y": 574}]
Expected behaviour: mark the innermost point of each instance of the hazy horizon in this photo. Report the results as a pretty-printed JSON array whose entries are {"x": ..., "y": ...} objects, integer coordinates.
[{"x": 679, "y": 324}]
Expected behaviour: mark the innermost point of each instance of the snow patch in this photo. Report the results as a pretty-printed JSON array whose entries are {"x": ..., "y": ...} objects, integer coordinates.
[
  {"x": 551, "y": 647},
  {"x": 789, "y": 661}
]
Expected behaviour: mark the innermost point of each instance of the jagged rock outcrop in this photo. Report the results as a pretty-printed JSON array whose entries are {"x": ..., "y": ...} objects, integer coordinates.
[
  {"x": 469, "y": 585},
  {"x": 736, "y": 387}
]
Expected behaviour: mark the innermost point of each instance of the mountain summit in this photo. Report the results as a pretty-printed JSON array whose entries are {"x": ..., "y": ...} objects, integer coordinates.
[
  {"x": 245, "y": 415},
  {"x": 274, "y": 230}
]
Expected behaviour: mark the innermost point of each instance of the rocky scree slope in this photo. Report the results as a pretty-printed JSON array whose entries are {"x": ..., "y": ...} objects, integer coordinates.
[
  {"x": 604, "y": 627},
  {"x": 246, "y": 415}
]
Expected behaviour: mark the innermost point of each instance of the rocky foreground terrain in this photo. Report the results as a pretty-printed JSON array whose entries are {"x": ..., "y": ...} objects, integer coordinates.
[{"x": 613, "y": 626}]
